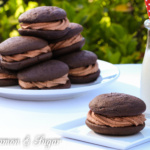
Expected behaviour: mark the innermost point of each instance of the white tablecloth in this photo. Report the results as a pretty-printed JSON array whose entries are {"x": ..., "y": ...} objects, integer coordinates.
[{"x": 21, "y": 119}]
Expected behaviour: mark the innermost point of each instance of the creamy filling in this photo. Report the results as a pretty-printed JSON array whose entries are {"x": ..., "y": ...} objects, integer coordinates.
[
  {"x": 66, "y": 43},
  {"x": 46, "y": 84},
  {"x": 7, "y": 76},
  {"x": 83, "y": 71},
  {"x": 56, "y": 25},
  {"x": 115, "y": 121},
  {"x": 26, "y": 55}
]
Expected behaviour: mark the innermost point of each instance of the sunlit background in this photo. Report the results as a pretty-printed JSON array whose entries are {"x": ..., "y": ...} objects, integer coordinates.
[{"x": 113, "y": 29}]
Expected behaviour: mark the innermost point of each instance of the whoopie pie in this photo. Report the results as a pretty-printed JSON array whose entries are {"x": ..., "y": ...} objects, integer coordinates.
[
  {"x": 7, "y": 77},
  {"x": 47, "y": 22},
  {"x": 116, "y": 114},
  {"x": 23, "y": 51},
  {"x": 72, "y": 41},
  {"x": 83, "y": 66},
  {"x": 51, "y": 74}
]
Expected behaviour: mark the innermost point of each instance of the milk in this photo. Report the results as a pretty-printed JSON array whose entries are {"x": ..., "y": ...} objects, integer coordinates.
[
  {"x": 145, "y": 73},
  {"x": 145, "y": 80}
]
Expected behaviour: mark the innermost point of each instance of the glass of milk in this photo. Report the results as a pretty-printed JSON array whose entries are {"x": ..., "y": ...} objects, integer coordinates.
[{"x": 145, "y": 74}]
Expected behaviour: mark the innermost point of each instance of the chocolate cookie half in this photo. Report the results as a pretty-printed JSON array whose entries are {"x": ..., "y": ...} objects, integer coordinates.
[
  {"x": 72, "y": 41},
  {"x": 83, "y": 66},
  {"x": 23, "y": 51},
  {"x": 116, "y": 114},
  {"x": 51, "y": 74},
  {"x": 47, "y": 22}
]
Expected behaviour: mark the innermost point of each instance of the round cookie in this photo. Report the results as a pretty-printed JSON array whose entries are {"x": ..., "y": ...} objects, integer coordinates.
[
  {"x": 117, "y": 105},
  {"x": 23, "y": 51},
  {"x": 72, "y": 41},
  {"x": 116, "y": 114},
  {"x": 44, "y": 34},
  {"x": 47, "y": 22},
  {"x": 42, "y": 14},
  {"x": 83, "y": 66},
  {"x": 52, "y": 74},
  {"x": 106, "y": 130}
]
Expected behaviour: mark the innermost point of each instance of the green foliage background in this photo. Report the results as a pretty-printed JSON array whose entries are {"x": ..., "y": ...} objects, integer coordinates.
[{"x": 113, "y": 29}]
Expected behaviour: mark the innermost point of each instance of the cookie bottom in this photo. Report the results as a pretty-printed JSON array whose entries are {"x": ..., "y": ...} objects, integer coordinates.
[
  {"x": 66, "y": 50},
  {"x": 119, "y": 131},
  {"x": 26, "y": 62},
  {"x": 84, "y": 79},
  {"x": 44, "y": 34},
  {"x": 8, "y": 82}
]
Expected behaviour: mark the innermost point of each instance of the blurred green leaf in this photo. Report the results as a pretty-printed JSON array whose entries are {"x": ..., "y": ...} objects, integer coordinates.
[
  {"x": 69, "y": 9},
  {"x": 113, "y": 29}
]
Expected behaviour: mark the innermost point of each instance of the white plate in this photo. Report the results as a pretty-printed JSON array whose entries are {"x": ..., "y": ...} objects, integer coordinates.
[
  {"x": 77, "y": 130},
  {"x": 109, "y": 73}
]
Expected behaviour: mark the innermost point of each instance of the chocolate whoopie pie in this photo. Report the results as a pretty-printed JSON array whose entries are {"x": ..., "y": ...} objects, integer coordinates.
[
  {"x": 52, "y": 74},
  {"x": 116, "y": 114},
  {"x": 47, "y": 22},
  {"x": 72, "y": 41},
  {"x": 83, "y": 66},
  {"x": 23, "y": 51},
  {"x": 7, "y": 77}
]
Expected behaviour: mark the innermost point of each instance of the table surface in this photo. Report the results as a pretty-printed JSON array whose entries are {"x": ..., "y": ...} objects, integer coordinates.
[{"x": 26, "y": 120}]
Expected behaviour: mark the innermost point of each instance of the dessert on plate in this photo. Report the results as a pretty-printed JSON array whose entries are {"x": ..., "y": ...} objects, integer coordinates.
[
  {"x": 51, "y": 74},
  {"x": 83, "y": 66},
  {"x": 7, "y": 77},
  {"x": 72, "y": 41},
  {"x": 116, "y": 114},
  {"x": 23, "y": 51},
  {"x": 47, "y": 22},
  {"x": 46, "y": 34}
]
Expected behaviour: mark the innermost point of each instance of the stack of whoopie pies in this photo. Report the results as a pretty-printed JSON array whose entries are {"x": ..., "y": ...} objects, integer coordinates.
[{"x": 48, "y": 53}]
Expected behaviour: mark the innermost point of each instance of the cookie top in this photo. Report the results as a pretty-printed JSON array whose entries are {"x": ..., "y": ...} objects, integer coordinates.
[
  {"x": 42, "y": 14},
  {"x": 45, "y": 71},
  {"x": 117, "y": 105},
  {"x": 79, "y": 59},
  {"x": 21, "y": 44}
]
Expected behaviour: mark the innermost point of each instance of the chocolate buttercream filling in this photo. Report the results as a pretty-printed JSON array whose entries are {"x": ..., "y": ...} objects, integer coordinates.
[
  {"x": 46, "y": 84},
  {"x": 83, "y": 71},
  {"x": 115, "y": 121},
  {"x": 29, "y": 54},
  {"x": 55, "y": 25},
  {"x": 7, "y": 76},
  {"x": 66, "y": 43}
]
